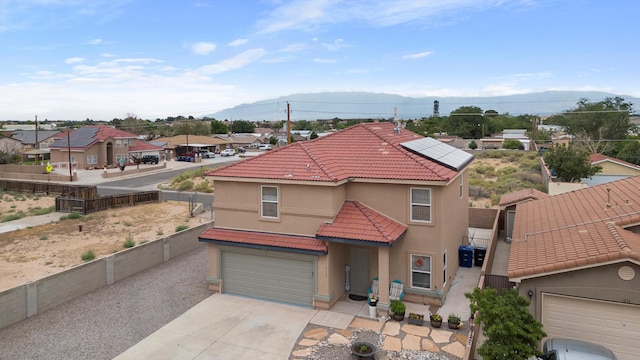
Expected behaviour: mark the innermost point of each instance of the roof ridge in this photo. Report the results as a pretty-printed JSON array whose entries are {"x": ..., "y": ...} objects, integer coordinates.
[
  {"x": 617, "y": 237},
  {"x": 365, "y": 211},
  {"x": 303, "y": 146}
]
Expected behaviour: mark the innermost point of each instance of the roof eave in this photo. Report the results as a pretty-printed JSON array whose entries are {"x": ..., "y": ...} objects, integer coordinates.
[
  {"x": 354, "y": 241},
  {"x": 263, "y": 247}
]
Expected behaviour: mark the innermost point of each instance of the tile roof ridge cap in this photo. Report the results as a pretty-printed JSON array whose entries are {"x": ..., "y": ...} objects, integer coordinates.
[
  {"x": 366, "y": 211},
  {"x": 613, "y": 229},
  {"x": 325, "y": 170}
]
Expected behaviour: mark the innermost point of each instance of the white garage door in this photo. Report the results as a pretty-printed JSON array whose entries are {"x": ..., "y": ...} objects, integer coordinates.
[
  {"x": 614, "y": 325},
  {"x": 284, "y": 279}
]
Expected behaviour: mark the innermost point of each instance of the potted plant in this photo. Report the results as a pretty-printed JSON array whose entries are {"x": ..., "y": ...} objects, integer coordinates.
[
  {"x": 398, "y": 309},
  {"x": 363, "y": 349},
  {"x": 436, "y": 320},
  {"x": 416, "y": 319},
  {"x": 454, "y": 321}
]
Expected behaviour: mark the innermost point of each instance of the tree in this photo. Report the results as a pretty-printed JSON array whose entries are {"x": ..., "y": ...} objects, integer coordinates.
[
  {"x": 510, "y": 330},
  {"x": 218, "y": 127},
  {"x": 242, "y": 126},
  {"x": 630, "y": 152},
  {"x": 301, "y": 125},
  {"x": 466, "y": 122},
  {"x": 512, "y": 144},
  {"x": 596, "y": 124},
  {"x": 570, "y": 163},
  {"x": 473, "y": 145},
  {"x": 313, "y": 135}
]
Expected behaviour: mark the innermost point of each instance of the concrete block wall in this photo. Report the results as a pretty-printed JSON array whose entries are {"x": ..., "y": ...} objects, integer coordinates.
[
  {"x": 29, "y": 299},
  {"x": 482, "y": 218}
]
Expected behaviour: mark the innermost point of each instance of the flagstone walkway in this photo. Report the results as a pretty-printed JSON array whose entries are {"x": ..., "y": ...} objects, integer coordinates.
[{"x": 394, "y": 339}]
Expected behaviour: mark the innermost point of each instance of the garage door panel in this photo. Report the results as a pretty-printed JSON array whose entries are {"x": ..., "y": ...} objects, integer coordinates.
[
  {"x": 268, "y": 277},
  {"x": 615, "y": 325}
]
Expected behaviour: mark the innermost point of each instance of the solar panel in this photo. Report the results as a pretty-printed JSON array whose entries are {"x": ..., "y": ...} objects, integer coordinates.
[{"x": 439, "y": 152}]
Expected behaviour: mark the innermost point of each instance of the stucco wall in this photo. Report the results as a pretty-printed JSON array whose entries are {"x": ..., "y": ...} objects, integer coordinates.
[
  {"x": 610, "y": 168},
  {"x": 602, "y": 283}
]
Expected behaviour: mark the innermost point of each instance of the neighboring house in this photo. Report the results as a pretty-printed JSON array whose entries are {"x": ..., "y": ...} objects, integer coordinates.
[
  {"x": 307, "y": 222},
  {"x": 95, "y": 146},
  {"x": 36, "y": 142},
  {"x": 9, "y": 145},
  {"x": 507, "y": 134},
  {"x": 576, "y": 256},
  {"x": 181, "y": 144},
  {"x": 612, "y": 169},
  {"x": 508, "y": 204}
]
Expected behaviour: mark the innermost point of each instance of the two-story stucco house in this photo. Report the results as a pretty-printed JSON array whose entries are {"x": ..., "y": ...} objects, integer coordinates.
[{"x": 311, "y": 221}]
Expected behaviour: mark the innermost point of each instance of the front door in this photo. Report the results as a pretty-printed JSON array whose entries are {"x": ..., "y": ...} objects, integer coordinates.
[{"x": 359, "y": 274}]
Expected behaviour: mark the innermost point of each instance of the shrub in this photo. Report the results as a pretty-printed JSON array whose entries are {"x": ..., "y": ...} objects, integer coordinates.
[
  {"x": 129, "y": 243},
  {"x": 512, "y": 144},
  {"x": 479, "y": 192},
  {"x": 43, "y": 237},
  {"x": 127, "y": 223},
  {"x": 473, "y": 145},
  {"x": 74, "y": 215},
  {"x": 203, "y": 187},
  {"x": 19, "y": 215},
  {"x": 181, "y": 227},
  {"x": 185, "y": 185},
  {"x": 507, "y": 170},
  {"x": 88, "y": 256},
  {"x": 159, "y": 232},
  {"x": 42, "y": 211}
]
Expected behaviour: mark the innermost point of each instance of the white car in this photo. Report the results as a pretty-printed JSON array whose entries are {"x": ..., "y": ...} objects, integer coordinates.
[
  {"x": 265, "y": 147},
  {"x": 228, "y": 152}
]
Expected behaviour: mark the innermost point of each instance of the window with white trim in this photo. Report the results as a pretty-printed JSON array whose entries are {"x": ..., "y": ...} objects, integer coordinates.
[
  {"x": 461, "y": 186},
  {"x": 269, "y": 198},
  {"x": 118, "y": 143},
  {"x": 92, "y": 159},
  {"x": 420, "y": 204},
  {"x": 420, "y": 271},
  {"x": 444, "y": 268},
  {"x": 73, "y": 159}
]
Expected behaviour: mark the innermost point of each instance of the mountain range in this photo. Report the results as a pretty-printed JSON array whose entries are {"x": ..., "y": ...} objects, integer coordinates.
[{"x": 363, "y": 105}]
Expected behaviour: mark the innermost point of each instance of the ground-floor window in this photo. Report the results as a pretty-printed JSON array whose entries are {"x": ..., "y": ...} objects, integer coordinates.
[
  {"x": 420, "y": 271},
  {"x": 92, "y": 159}
]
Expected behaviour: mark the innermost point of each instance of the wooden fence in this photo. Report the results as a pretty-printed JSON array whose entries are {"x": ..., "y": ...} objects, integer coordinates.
[
  {"x": 86, "y": 206},
  {"x": 35, "y": 187},
  {"x": 498, "y": 282}
]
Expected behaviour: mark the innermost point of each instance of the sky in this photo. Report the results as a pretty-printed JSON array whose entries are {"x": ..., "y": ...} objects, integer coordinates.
[{"x": 105, "y": 59}]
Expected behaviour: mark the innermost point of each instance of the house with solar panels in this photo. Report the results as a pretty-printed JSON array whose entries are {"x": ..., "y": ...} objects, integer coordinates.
[{"x": 309, "y": 222}]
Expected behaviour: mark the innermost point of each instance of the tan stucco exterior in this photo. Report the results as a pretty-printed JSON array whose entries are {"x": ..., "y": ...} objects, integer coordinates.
[
  {"x": 612, "y": 168},
  {"x": 106, "y": 151},
  {"x": 304, "y": 207}
]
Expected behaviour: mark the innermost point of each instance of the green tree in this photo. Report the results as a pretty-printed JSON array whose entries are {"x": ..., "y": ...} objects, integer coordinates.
[
  {"x": 466, "y": 122},
  {"x": 242, "y": 126},
  {"x": 218, "y": 127},
  {"x": 570, "y": 163},
  {"x": 510, "y": 330},
  {"x": 630, "y": 152},
  {"x": 313, "y": 136},
  {"x": 192, "y": 127},
  {"x": 301, "y": 125},
  {"x": 473, "y": 145},
  {"x": 597, "y": 123},
  {"x": 512, "y": 144}
]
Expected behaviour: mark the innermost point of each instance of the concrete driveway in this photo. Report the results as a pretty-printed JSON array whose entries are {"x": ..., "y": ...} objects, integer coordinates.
[{"x": 226, "y": 327}]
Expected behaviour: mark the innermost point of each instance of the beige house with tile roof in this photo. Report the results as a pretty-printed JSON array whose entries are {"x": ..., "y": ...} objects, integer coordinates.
[
  {"x": 577, "y": 257},
  {"x": 313, "y": 220}
]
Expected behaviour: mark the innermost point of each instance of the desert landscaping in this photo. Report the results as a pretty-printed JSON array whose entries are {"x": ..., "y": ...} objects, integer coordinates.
[{"x": 31, "y": 253}]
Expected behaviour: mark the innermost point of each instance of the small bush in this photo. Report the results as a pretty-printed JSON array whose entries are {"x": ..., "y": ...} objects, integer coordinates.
[
  {"x": 203, "y": 187},
  {"x": 43, "y": 237},
  {"x": 159, "y": 232},
  {"x": 42, "y": 211},
  {"x": 16, "y": 216},
  {"x": 507, "y": 170},
  {"x": 88, "y": 256},
  {"x": 74, "y": 215},
  {"x": 185, "y": 185},
  {"x": 127, "y": 223},
  {"x": 479, "y": 192},
  {"x": 129, "y": 243},
  {"x": 181, "y": 227}
]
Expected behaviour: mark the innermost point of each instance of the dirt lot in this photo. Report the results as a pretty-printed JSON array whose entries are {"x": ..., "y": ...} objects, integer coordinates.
[{"x": 31, "y": 253}]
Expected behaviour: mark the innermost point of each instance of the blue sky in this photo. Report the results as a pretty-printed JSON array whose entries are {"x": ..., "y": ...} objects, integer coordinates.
[{"x": 103, "y": 59}]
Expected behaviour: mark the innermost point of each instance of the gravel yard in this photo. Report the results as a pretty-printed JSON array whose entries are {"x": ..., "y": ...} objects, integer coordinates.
[{"x": 106, "y": 322}]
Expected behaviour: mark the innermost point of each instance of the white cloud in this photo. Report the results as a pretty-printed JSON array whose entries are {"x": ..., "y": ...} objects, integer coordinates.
[
  {"x": 418, "y": 55},
  {"x": 324, "y": 61},
  {"x": 203, "y": 48},
  {"x": 241, "y": 60},
  {"x": 74, "y": 60},
  {"x": 294, "y": 47},
  {"x": 238, "y": 42},
  {"x": 94, "y": 41},
  {"x": 335, "y": 45}
]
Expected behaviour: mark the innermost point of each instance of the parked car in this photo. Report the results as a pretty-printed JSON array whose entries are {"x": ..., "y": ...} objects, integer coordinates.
[
  {"x": 228, "y": 152},
  {"x": 265, "y": 147},
  {"x": 149, "y": 159},
  {"x": 206, "y": 154},
  {"x": 570, "y": 349}
]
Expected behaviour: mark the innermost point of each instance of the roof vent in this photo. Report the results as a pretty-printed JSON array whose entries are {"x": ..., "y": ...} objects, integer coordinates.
[{"x": 308, "y": 167}]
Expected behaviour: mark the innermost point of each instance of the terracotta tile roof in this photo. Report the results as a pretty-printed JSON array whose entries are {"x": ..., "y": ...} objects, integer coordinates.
[
  {"x": 144, "y": 146},
  {"x": 576, "y": 229},
  {"x": 104, "y": 132},
  {"x": 357, "y": 222},
  {"x": 365, "y": 151},
  {"x": 264, "y": 240},
  {"x": 598, "y": 158},
  {"x": 521, "y": 195}
]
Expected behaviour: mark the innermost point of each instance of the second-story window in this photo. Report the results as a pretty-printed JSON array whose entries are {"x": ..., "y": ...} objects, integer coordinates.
[
  {"x": 269, "y": 201},
  {"x": 118, "y": 143},
  {"x": 421, "y": 204}
]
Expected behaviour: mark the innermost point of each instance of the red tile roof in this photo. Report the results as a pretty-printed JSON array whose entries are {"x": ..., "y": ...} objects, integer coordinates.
[
  {"x": 521, "y": 195},
  {"x": 263, "y": 240},
  {"x": 598, "y": 158},
  {"x": 576, "y": 229},
  {"x": 365, "y": 151},
  {"x": 357, "y": 222},
  {"x": 140, "y": 145},
  {"x": 105, "y": 132}
]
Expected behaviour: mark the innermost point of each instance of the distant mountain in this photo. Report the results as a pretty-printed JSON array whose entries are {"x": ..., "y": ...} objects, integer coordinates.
[{"x": 358, "y": 105}]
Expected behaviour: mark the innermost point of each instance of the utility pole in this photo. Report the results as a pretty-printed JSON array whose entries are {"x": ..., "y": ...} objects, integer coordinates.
[
  {"x": 288, "y": 123},
  {"x": 37, "y": 148},
  {"x": 69, "y": 147}
]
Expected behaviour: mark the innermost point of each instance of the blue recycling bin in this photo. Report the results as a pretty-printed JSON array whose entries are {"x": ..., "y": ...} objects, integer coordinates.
[{"x": 466, "y": 256}]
